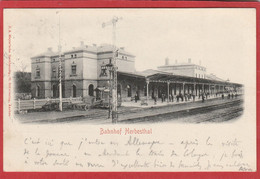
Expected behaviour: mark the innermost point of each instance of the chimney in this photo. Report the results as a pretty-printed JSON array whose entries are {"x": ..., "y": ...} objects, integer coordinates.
[
  {"x": 50, "y": 49},
  {"x": 189, "y": 60},
  {"x": 81, "y": 43},
  {"x": 176, "y": 61},
  {"x": 94, "y": 45},
  {"x": 167, "y": 61}
]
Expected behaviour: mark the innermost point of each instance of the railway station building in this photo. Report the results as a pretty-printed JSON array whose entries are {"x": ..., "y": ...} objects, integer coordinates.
[{"x": 85, "y": 73}]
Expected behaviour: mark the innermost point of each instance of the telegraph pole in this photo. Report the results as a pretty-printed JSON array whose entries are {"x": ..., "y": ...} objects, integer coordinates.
[
  {"x": 60, "y": 70},
  {"x": 114, "y": 73}
]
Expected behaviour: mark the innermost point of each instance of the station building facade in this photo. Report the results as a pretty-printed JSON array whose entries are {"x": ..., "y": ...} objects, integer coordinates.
[
  {"x": 84, "y": 70},
  {"x": 85, "y": 73},
  {"x": 185, "y": 69}
]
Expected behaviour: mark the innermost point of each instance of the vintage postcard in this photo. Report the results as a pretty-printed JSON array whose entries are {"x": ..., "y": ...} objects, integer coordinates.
[{"x": 130, "y": 89}]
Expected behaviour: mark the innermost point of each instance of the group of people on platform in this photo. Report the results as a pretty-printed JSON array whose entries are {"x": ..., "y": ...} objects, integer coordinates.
[
  {"x": 230, "y": 94},
  {"x": 189, "y": 96},
  {"x": 181, "y": 97}
]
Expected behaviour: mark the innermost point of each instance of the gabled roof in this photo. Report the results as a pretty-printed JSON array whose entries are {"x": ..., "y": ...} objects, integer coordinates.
[
  {"x": 86, "y": 48},
  {"x": 82, "y": 48},
  {"x": 108, "y": 48},
  {"x": 48, "y": 53},
  {"x": 97, "y": 49},
  {"x": 180, "y": 64},
  {"x": 213, "y": 77},
  {"x": 149, "y": 72},
  {"x": 132, "y": 74}
]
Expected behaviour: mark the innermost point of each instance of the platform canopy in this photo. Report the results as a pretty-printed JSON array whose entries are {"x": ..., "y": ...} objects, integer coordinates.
[
  {"x": 185, "y": 79},
  {"x": 164, "y": 77}
]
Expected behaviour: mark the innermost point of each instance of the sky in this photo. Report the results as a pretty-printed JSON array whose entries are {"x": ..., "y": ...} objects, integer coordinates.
[{"x": 223, "y": 39}]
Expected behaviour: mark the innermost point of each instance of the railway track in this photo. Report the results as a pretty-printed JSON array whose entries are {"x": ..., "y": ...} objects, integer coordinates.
[
  {"x": 160, "y": 114},
  {"x": 217, "y": 113}
]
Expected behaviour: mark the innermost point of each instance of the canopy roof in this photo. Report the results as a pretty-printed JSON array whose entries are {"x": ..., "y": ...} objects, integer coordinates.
[{"x": 172, "y": 78}]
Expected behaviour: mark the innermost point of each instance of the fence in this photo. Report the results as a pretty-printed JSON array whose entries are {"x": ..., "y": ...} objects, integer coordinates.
[{"x": 38, "y": 103}]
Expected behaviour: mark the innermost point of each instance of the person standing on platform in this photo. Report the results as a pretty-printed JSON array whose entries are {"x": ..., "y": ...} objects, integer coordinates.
[
  {"x": 155, "y": 100},
  {"x": 136, "y": 98},
  {"x": 203, "y": 97},
  {"x": 162, "y": 97},
  {"x": 189, "y": 96},
  {"x": 222, "y": 95}
]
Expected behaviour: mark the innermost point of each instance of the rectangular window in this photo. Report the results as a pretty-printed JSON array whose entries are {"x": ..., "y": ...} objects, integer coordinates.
[
  {"x": 103, "y": 71},
  {"x": 54, "y": 73},
  {"x": 73, "y": 69},
  {"x": 38, "y": 72}
]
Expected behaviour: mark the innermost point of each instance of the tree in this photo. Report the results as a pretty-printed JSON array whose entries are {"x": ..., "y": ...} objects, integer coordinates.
[{"x": 22, "y": 82}]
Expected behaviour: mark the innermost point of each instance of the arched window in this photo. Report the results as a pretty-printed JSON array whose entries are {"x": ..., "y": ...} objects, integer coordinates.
[
  {"x": 74, "y": 91},
  {"x": 129, "y": 91},
  {"x": 37, "y": 91},
  {"x": 91, "y": 90}
]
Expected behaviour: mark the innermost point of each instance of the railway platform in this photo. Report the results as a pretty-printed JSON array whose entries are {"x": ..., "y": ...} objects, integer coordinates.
[{"x": 125, "y": 113}]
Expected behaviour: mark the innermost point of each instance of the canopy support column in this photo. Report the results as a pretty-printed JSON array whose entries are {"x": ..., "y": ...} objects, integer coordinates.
[
  {"x": 168, "y": 90},
  {"x": 194, "y": 86},
  {"x": 147, "y": 90}
]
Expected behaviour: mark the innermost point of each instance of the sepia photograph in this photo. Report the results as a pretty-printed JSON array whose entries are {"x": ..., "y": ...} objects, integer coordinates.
[
  {"x": 130, "y": 89},
  {"x": 133, "y": 68}
]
